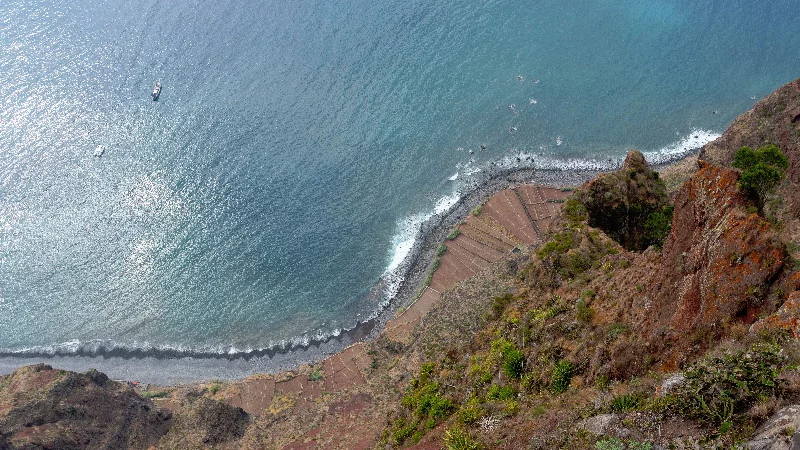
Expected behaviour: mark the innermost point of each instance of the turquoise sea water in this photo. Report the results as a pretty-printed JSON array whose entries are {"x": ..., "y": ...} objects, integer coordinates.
[{"x": 296, "y": 146}]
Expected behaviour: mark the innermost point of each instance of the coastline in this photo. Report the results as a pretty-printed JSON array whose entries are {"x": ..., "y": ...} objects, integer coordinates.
[{"x": 160, "y": 366}]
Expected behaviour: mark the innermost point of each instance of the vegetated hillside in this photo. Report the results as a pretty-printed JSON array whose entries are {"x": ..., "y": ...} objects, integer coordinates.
[
  {"x": 578, "y": 353},
  {"x": 648, "y": 319}
]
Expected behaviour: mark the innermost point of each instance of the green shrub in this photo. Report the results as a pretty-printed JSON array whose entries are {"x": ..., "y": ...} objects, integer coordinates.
[
  {"x": 627, "y": 402},
  {"x": 584, "y": 312},
  {"x": 575, "y": 211},
  {"x": 476, "y": 211},
  {"x": 315, "y": 374},
  {"x": 657, "y": 227},
  {"x": 441, "y": 250},
  {"x": 457, "y": 438},
  {"x": 610, "y": 444},
  {"x": 499, "y": 305},
  {"x": 425, "y": 403},
  {"x": 453, "y": 234},
  {"x": 560, "y": 243},
  {"x": 717, "y": 387},
  {"x": 469, "y": 414},
  {"x": 500, "y": 393},
  {"x": 562, "y": 375},
  {"x": 762, "y": 170},
  {"x": 615, "y": 329},
  {"x": 154, "y": 394},
  {"x": 514, "y": 363}
]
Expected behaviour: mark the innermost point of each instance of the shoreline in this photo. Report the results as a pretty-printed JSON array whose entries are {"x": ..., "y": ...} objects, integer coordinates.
[{"x": 150, "y": 365}]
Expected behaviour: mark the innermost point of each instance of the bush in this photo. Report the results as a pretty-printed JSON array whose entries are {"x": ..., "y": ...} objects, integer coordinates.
[
  {"x": 500, "y": 393},
  {"x": 575, "y": 211},
  {"x": 627, "y": 402},
  {"x": 657, "y": 226},
  {"x": 499, "y": 305},
  {"x": 457, "y": 439},
  {"x": 513, "y": 363},
  {"x": 560, "y": 243},
  {"x": 154, "y": 394},
  {"x": 584, "y": 312},
  {"x": 476, "y": 211},
  {"x": 717, "y": 387},
  {"x": 315, "y": 374},
  {"x": 762, "y": 170},
  {"x": 609, "y": 444},
  {"x": 441, "y": 250},
  {"x": 562, "y": 375},
  {"x": 453, "y": 234},
  {"x": 470, "y": 414}
]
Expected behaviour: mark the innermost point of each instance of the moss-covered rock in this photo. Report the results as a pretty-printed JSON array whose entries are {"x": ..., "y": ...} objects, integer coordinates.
[{"x": 627, "y": 203}]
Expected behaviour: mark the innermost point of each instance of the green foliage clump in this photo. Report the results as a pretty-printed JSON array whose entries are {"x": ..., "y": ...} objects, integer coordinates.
[
  {"x": 562, "y": 375},
  {"x": 501, "y": 393},
  {"x": 583, "y": 311},
  {"x": 560, "y": 243},
  {"x": 575, "y": 211},
  {"x": 617, "y": 328},
  {"x": 618, "y": 444},
  {"x": 470, "y": 413},
  {"x": 315, "y": 374},
  {"x": 657, "y": 226},
  {"x": 457, "y": 438},
  {"x": 610, "y": 444},
  {"x": 154, "y": 394},
  {"x": 626, "y": 402},
  {"x": 453, "y": 234},
  {"x": 762, "y": 170},
  {"x": 513, "y": 363},
  {"x": 476, "y": 211},
  {"x": 425, "y": 403},
  {"x": 499, "y": 305},
  {"x": 511, "y": 358},
  {"x": 441, "y": 250},
  {"x": 718, "y": 387}
]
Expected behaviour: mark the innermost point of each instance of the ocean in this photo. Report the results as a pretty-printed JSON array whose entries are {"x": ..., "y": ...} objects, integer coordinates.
[{"x": 270, "y": 196}]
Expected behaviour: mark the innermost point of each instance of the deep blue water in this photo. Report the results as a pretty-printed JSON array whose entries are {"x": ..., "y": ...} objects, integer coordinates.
[{"x": 296, "y": 145}]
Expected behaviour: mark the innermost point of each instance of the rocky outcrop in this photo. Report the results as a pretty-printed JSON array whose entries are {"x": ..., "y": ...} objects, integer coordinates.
[
  {"x": 620, "y": 203},
  {"x": 717, "y": 263},
  {"x": 780, "y": 432},
  {"x": 45, "y": 408},
  {"x": 787, "y": 318},
  {"x": 203, "y": 422}
]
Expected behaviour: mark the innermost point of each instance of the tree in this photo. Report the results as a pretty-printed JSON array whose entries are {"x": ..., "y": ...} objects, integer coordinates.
[{"x": 762, "y": 171}]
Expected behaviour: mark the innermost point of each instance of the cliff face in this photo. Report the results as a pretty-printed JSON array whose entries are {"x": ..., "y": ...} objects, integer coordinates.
[
  {"x": 718, "y": 262},
  {"x": 45, "y": 408}
]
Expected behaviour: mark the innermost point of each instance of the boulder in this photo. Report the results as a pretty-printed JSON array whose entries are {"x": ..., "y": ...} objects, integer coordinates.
[{"x": 780, "y": 432}]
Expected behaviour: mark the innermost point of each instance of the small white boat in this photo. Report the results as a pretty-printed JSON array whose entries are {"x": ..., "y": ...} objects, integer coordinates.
[
  {"x": 156, "y": 91},
  {"x": 98, "y": 152}
]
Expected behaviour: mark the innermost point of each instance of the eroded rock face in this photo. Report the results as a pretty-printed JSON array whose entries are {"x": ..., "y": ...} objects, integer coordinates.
[
  {"x": 202, "y": 422},
  {"x": 787, "y": 318},
  {"x": 45, "y": 408},
  {"x": 717, "y": 262},
  {"x": 620, "y": 202}
]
